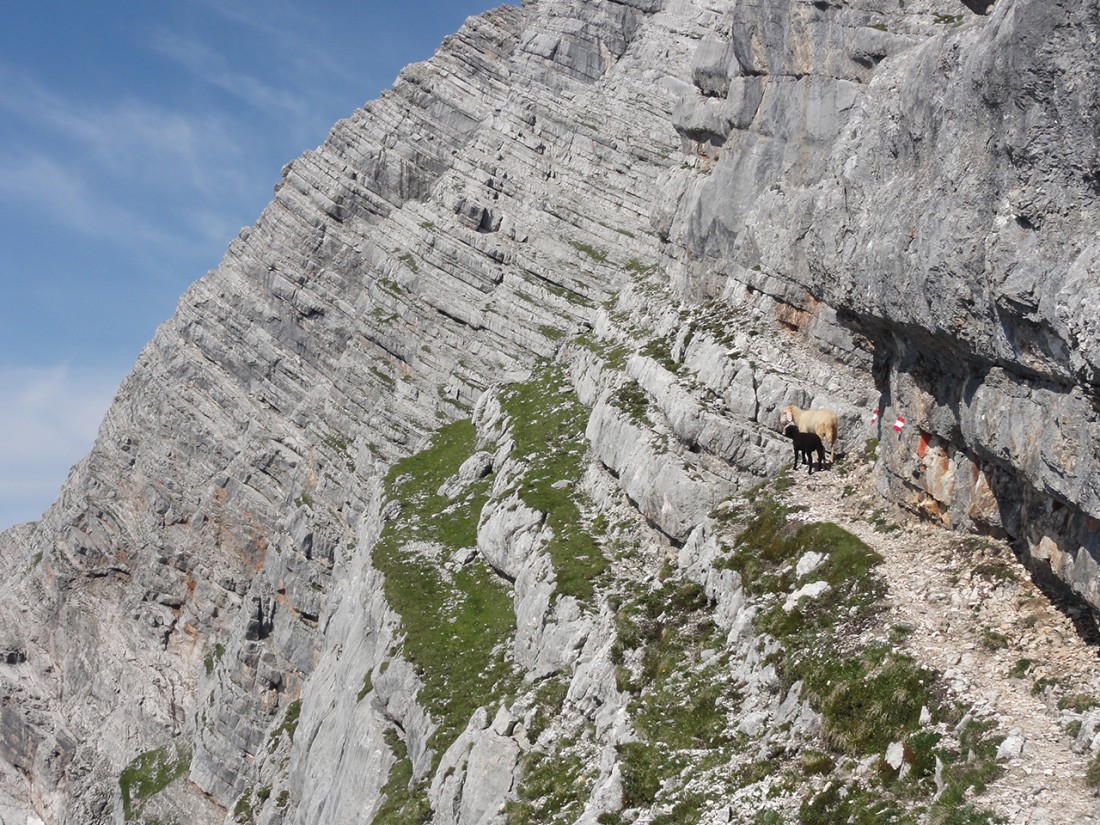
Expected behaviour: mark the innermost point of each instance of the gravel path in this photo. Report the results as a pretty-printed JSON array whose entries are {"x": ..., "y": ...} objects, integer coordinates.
[{"x": 978, "y": 619}]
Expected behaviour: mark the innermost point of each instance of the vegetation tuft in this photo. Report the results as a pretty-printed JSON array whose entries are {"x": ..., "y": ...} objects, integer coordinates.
[
  {"x": 632, "y": 400},
  {"x": 547, "y": 425},
  {"x": 869, "y": 697},
  {"x": 149, "y": 774},
  {"x": 456, "y": 626},
  {"x": 551, "y": 790},
  {"x": 404, "y": 802}
]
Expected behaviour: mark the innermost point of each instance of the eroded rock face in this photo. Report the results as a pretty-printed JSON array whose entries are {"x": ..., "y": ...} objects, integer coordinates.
[{"x": 727, "y": 207}]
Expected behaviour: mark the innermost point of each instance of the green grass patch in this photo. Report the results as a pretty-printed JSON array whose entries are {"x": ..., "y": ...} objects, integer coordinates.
[
  {"x": 149, "y": 774},
  {"x": 404, "y": 802},
  {"x": 681, "y": 700},
  {"x": 552, "y": 333},
  {"x": 868, "y": 697},
  {"x": 632, "y": 400},
  {"x": 870, "y": 451},
  {"x": 212, "y": 658},
  {"x": 549, "y": 697},
  {"x": 882, "y": 524},
  {"x": 288, "y": 727},
  {"x": 242, "y": 811},
  {"x": 547, "y": 426},
  {"x": 457, "y": 627},
  {"x": 408, "y": 260},
  {"x": 644, "y": 767},
  {"x": 368, "y": 686},
  {"x": 660, "y": 351},
  {"x": 598, "y": 255},
  {"x": 613, "y": 355},
  {"x": 552, "y": 787},
  {"x": 572, "y": 296},
  {"x": 685, "y": 811}
]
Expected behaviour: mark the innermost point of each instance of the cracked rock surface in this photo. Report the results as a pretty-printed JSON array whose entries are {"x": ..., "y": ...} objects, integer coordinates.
[{"x": 663, "y": 221}]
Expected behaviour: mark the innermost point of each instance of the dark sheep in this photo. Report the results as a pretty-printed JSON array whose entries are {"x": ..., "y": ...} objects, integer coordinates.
[
  {"x": 823, "y": 422},
  {"x": 805, "y": 445}
]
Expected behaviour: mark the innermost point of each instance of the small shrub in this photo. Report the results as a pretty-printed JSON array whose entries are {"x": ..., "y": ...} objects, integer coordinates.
[
  {"x": 1092, "y": 773},
  {"x": 1021, "y": 668},
  {"x": 870, "y": 451},
  {"x": 816, "y": 762},
  {"x": 993, "y": 640},
  {"x": 632, "y": 400},
  {"x": 1078, "y": 702},
  {"x": 1042, "y": 683},
  {"x": 900, "y": 632},
  {"x": 644, "y": 768}
]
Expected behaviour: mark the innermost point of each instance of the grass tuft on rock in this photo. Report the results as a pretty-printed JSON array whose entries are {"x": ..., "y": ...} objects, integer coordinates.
[
  {"x": 149, "y": 774},
  {"x": 457, "y": 625},
  {"x": 870, "y": 696},
  {"x": 404, "y": 802},
  {"x": 548, "y": 424}
]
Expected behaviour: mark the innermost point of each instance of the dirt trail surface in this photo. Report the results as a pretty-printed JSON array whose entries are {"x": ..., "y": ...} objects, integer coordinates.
[{"x": 1002, "y": 647}]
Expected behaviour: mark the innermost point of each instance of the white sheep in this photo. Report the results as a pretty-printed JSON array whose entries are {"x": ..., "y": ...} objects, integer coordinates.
[{"x": 820, "y": 422}]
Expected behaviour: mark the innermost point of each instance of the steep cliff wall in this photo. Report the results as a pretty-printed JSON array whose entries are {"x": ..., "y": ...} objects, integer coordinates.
[
  {"x": 373, "y": 527},
  {"x": 931, "y": 178}
]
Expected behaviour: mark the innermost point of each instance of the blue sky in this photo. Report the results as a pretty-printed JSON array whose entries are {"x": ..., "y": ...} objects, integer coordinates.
[{"x": 136, "y": 139}]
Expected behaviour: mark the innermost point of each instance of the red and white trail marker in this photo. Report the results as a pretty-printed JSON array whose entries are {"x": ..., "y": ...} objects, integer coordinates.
[
  {"x": 874, "y": 417},
  {"x": 899, "y": 424}
]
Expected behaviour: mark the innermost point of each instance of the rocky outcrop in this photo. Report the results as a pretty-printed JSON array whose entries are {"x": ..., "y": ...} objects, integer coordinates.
[
  {"x": 974, "y": 306},
  {"x": 701, "y": 211}
]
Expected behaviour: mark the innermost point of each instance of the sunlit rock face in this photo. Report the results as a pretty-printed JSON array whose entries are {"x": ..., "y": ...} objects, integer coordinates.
[{"x": 696, "y": 213}]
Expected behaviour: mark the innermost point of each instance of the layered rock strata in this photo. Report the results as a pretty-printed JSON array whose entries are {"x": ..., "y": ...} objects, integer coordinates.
[{"x": 707, "y": 210}]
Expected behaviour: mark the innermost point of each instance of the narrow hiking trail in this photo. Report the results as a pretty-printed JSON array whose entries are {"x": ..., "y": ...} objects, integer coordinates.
[{"x": 971, "y": 612}]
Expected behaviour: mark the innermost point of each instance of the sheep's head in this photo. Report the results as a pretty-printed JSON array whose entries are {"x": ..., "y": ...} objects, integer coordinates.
[{"x": 786, "y": 417}]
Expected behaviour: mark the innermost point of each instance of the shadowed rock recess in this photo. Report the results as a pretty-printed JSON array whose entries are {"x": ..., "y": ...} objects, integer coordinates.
[{"x": 456, "y": 493}]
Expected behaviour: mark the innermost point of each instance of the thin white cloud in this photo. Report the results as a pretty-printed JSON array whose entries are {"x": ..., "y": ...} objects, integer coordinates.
[
  {"x": 291, "y": 32},
  {"x": 133, "y": 139},
  {"x": 49, "y": 417},
  {"x": 211, "y": 67},
  {"x": 41, "y": 183}
]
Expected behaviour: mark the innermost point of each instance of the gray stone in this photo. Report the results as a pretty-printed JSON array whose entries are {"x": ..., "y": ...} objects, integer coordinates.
[{"x": 722, "y": 208}]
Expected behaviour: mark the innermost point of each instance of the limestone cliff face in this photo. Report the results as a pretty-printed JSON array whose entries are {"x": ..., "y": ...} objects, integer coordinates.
[
  {"x": 938, "y": 193},
  {"x": 700, "y": 211}
]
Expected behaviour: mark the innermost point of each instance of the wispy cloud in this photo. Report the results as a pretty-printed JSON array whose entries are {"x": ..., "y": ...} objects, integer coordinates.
[
  {"x": 41, "y": 183},
  {"x": 295, "y": 32},
  {"x": 211, "y": 67},
  {"x": 48, "y": 421},
  {"x": 124, "y": 170},
  {"x": 130, "y": 138}
]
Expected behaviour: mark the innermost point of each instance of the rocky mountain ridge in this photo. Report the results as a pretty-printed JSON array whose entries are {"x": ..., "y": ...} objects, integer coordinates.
[{"x": 373, "y": 530}]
